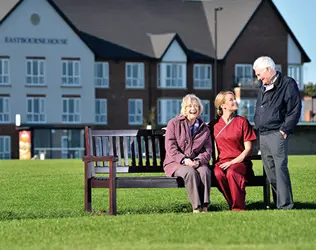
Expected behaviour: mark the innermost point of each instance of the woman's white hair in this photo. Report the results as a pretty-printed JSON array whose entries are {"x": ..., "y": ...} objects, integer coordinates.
[{"x": 263, "y": 62}]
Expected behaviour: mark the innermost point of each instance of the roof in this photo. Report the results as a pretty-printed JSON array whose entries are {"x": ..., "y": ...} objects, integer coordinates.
[{"x": 146, "y": 28}]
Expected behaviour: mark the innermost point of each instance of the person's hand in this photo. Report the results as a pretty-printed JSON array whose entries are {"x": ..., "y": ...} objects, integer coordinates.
[
  {"x": 225, "y": 165},
  {"x": 188, "y": 162},
  {"x": 283, "y": 134},
  {"x": 196, "y": 163}
]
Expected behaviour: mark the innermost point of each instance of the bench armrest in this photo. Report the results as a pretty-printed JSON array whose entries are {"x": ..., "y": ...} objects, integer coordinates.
[{"x": 90, "y": 158}]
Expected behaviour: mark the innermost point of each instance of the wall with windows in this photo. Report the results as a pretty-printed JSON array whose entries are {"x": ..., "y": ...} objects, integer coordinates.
[
  {"x": 40, "y": 64},
  {"x": 265, "y": 34},
  {"x": 171, "y": 71}
]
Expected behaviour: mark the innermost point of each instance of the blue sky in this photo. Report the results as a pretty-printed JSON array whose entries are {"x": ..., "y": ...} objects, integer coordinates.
[{"x": 300, "y": 17}]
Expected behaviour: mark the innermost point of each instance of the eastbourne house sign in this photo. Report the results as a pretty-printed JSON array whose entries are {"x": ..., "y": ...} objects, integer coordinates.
[{"x": 34, "y": 40}]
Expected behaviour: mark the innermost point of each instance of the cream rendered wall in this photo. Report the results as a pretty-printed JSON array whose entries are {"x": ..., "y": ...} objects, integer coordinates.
[{"x": 51, "y": 26}]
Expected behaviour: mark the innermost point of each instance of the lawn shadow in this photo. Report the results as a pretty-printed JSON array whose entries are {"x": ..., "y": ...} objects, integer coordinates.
[
  {"x": 297, "y": 205},
  {"x": 255, "y": 206},
  {"x": 304, "y": 205},
  {"x": 174, "y": 208}
]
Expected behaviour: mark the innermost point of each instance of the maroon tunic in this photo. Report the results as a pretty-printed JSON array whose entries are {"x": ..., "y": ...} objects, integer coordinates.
[
  {"x": 230, "y": 144},
  {"x": 180, "y": 144}
]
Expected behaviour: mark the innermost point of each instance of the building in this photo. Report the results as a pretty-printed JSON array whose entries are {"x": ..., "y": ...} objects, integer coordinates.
[{"x": 121, "y": 64}]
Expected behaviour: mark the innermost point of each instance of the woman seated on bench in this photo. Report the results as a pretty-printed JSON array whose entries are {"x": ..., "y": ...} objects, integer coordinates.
[
  {"x": 233, "y": 136},
  {"x": 188, "y": 152}
]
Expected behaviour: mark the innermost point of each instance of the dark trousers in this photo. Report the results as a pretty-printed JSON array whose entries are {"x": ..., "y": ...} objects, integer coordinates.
[
  {"x": 197, "y": 183},
  {"x": 232, "y": 183},
  {"x": 274, "y": 153}
]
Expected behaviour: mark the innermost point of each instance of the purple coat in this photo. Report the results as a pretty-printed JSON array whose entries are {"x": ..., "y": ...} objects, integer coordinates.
[{"x": 180, "y": 144}]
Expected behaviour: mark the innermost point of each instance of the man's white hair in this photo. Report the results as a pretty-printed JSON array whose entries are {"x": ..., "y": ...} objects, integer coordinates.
[{"x": 263, "y": 62}]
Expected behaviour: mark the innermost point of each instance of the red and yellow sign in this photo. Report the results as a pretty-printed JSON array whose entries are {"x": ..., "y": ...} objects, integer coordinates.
[{"x": 25, "y": 145}]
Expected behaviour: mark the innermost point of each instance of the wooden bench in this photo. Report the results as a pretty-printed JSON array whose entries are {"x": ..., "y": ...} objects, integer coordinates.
[{"x": 134, "y": 151}]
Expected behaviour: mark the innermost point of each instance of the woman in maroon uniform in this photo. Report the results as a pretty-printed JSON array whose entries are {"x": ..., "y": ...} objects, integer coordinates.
[{"x": 233, "y": 136}]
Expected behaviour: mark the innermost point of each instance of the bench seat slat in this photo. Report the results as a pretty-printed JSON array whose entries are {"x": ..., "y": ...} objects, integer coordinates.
[{"x": 156, "y": 182}]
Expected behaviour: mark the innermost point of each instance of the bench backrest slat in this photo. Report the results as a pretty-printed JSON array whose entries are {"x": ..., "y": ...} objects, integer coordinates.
[
  {"x": 139, "y": 150},
  {"x": 153, "y": 148},
  {"x": 118, "y": 149},
  {"x": 105, "y": 143},
  {"x": 125, "y": 149}
]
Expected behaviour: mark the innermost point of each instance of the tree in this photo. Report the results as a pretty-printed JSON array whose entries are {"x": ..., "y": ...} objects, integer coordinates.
[{"x": 310, "y": 89}]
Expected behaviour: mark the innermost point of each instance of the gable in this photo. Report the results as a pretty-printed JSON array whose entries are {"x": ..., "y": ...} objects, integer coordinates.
[
  {"x": 293, "y": 52},
  {"x": 33, "y": 21},
  {"x": 174, "y": 53}
]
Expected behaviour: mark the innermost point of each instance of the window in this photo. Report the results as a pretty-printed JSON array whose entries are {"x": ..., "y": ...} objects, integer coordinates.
[
  {"x": 4, "y": 71},
  {"x": 71, "y": 110},
  {"x": 101, "y": 107},
  {"x": 295, "y": 71},
  {"x": 36, "y": 110},
  {"x": 4, "y": 110},
  {"x": 202, "y": 76},
  {"x": 134, "y": 74},
  {"x": 206, "y": 114},
  {"x": 5, "y": 147},
  {"x": 135, "y": 111},
  {"x": 101, "y": 74},
  {"x": 35, "y": 72},
  {"x": 244, "y": 74},
  {"x": 70, "y": 72},
  {"x": 246, "y": 108},
  {"x": 172, "y": 75},
  {"x": 167, "y": 109}
]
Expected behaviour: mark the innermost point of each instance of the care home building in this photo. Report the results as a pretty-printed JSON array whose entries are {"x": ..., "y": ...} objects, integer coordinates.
[{"x": 122, "y": 64}]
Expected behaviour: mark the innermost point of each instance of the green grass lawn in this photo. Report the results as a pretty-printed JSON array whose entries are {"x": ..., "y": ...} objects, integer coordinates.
[{"x": 41, "y": 207}]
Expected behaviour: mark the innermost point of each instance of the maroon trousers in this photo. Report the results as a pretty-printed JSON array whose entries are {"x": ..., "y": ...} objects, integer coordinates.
[{"x": 232, "y": 183}]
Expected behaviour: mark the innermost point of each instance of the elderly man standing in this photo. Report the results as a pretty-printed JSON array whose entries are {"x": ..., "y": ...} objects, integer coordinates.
[{"x": 278, "y": 110}]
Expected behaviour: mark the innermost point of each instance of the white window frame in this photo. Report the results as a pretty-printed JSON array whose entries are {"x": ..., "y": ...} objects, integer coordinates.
[
  {"x": 32, "y": 116},
  {"x": 202, "y": 81},
  {"x": 67, "y": 79},
  {"x": 102, "y": 106},
  {"x": 165, "y": 106},
  {"x": 295, "y": 71},
  {"x": 249, "y": 103},
  {"x": 66, "y": 115},
  {"x": 5, "y": 113},
  {"x": 6, "y": 152},
  {"x": 177, "y": 79},
  {"x": 134, "y": 81},
  {"x": 244, "y": 79},
  {"x": 4, "y": 71},
  {"x": 137, "y": 117},
  {"x": 206, "y": 114},
  {"x": 101, "y": 74},
  {"x": 35, "y": 72}
]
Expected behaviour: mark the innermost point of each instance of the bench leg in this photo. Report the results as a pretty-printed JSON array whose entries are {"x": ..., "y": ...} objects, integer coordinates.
[
  {"x": 87, "y": 195},
  {"x": 112, "y": 188}
]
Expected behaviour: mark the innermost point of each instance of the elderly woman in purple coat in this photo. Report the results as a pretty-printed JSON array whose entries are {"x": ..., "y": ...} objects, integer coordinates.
[{"x": 188, "y": 151}]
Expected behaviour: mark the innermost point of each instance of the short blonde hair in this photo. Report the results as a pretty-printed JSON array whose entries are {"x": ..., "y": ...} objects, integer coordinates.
[
  {"x": 220, "y": 100},
  {"x": 189, "y": 98},
  {"x": 263, "y": 62}
]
